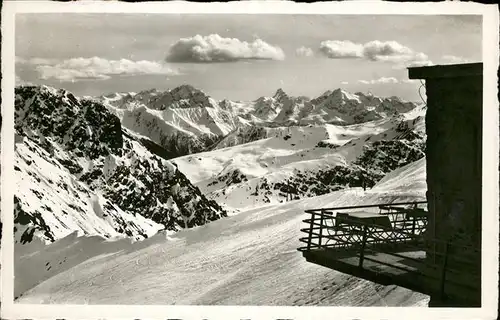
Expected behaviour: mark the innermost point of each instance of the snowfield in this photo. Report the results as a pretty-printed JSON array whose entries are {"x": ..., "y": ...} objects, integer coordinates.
[
  {"x": 246, "y": 259},
  {"x": 236, "y": 173}
]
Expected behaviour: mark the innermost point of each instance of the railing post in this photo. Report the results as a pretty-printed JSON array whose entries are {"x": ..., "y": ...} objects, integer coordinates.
[
  {"x": 443, "y": 270},
  {"x": 363, "y": 245},
  {"x": 311, "y": 225},
  {"x": 433, "y": 235},
  {"x": 321, "y": 227}
]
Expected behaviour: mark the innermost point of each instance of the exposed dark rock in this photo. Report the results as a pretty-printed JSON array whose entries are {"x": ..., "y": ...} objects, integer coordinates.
[{"x": 140, "y": 182}]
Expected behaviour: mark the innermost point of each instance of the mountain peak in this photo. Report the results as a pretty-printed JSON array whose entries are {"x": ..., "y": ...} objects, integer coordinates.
[
  {"x": 359, "y": 93},
  {"x": 340, "y": 92},
  {"x": 186, "y": 88},
  {"x": 396, "y": 98},
  {"x": 344, "y": 95},
  {"x": 46, "y": 89},
  {"x": 280, "y": 95}
]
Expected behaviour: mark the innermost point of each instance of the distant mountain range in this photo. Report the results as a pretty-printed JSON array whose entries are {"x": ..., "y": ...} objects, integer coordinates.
[{"x": 185, "y": 120}]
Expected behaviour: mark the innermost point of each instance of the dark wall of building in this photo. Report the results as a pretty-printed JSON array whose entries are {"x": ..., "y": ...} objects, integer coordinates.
[
  {"x": 454, "y": 147},
  {"x": 454, "y": 162}
]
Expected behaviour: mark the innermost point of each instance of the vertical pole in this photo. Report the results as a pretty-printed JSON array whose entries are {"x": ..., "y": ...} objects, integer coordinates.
[
  {"x": 311, "y": 225},
  {"x": 363, "y": 245},
  {"x": 433, "y": 216},
  {"x": 287, "y": 191},
  {"x": 321, "y": 226},
  {"x": 443, "y": 270}
]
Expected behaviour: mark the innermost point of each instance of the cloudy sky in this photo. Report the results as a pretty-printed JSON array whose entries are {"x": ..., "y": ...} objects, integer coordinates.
[{"x": 240, "y": 57}]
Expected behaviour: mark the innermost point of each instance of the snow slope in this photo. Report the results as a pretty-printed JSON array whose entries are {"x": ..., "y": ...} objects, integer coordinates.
[
  {"x": 246, "y": 259},
  {"x": 77, "y": 169},
  {"x": 261, "y": 165}
]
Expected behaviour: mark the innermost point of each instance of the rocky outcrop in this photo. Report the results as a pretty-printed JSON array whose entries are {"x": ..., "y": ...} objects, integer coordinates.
[{"x": 79, "y": 169}]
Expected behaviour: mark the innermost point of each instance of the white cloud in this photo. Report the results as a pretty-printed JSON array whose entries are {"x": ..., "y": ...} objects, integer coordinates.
[
  {"x": 21, "y": 82},
  {"x": 382, "y": 80},
  {"x": 412, "y": 64},
  {"x": 97, "y": 68},
  {"x": 335, "y": 49},
  {"x": 214, "y": 48},
  {"x": 410, "y": 81},
  {"x": 449, "y": 59},
  {"x": 304, "y": 52},
  {"x": 421, "y": 63},
  {"x": 35, "y": 61},
  {"x": 344, "y": 82},
  {"x": 389, "y": 51}
]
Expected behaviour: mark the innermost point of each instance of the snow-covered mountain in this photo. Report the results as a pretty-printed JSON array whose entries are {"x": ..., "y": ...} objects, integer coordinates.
[
  {"x": 78, "y": 169},
  {"x": 185, "y": 120},
  {"x": 258, "y": 165},
  {"x": 342, "y": 107}
]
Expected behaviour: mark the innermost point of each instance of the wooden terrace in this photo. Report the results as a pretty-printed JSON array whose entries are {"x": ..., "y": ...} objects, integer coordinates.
[{"x": 386, "y": 244}]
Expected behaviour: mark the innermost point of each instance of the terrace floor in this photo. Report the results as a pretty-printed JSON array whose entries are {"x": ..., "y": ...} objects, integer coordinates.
[{"x": 406, "y": 269}]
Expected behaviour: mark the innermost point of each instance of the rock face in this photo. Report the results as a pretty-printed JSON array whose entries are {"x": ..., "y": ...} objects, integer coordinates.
[{"x": 77, "y": 168}]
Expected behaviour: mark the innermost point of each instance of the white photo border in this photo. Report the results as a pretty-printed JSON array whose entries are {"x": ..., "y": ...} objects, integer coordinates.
[{"x": 490, "y": 218}]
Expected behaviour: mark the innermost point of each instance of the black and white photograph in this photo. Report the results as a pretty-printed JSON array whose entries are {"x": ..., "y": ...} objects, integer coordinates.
[{"x": 272, "y": 159}]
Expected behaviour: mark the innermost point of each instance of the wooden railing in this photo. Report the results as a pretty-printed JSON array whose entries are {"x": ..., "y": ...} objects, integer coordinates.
[
  {"x": 331, "y": 228},
  {"x": 399, "y": 231}
]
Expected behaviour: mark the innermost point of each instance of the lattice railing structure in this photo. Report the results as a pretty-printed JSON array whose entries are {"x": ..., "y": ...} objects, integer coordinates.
[
  {"x": 340, "y": 228},
  {"x": 382, "y": 231}
]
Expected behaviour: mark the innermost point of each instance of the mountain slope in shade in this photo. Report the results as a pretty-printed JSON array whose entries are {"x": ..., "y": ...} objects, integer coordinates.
[
  {"x": 78, "y": 169},
  {"x": 247, "y": 259},
  {"x": 185, "y": 120}
]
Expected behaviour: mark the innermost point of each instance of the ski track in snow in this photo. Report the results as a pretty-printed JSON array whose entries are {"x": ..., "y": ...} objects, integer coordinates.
[{"x": 245, "y": 259}]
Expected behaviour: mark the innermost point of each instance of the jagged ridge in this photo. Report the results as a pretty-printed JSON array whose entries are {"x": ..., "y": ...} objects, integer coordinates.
[
  {"x": 185, "y": 120},
  {"x": 88, "y": 173}
]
